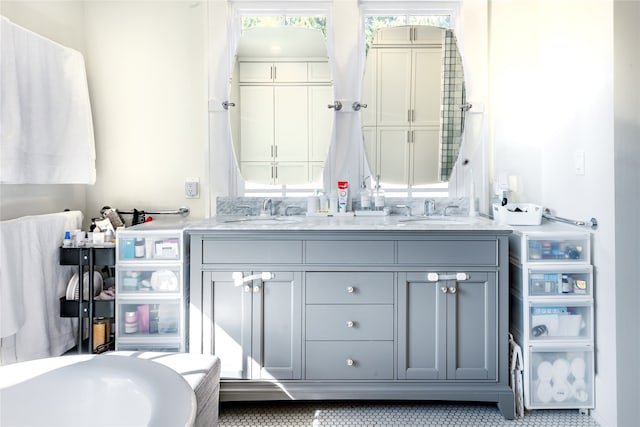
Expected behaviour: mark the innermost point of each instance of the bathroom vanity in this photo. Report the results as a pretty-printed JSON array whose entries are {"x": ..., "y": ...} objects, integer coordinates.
[{"x": 353, "y": 308}]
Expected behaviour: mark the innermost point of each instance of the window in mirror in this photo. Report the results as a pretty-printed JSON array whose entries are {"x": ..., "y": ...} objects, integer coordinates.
[
  {"x": 373, "y": 22},
  {"x": 255, "y": 182}
]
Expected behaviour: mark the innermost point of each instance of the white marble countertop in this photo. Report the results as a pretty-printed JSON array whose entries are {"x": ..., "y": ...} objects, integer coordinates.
[{"x": 353, "y": 223}]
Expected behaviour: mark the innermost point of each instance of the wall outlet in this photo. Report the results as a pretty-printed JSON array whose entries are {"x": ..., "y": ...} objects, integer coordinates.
[{"x": 192, "y": 188}]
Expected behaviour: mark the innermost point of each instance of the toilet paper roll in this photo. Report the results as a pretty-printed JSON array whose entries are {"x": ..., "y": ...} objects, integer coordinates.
[
  {"x": 561, "y": 391},
  {"x": 544, "y": 392}
]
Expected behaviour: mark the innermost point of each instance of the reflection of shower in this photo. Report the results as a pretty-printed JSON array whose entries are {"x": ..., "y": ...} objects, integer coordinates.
[{"x": 454, "y": 105}]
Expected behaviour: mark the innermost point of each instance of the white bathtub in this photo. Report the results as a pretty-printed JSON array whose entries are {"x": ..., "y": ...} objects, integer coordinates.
[{"x": 94, "y": 390}]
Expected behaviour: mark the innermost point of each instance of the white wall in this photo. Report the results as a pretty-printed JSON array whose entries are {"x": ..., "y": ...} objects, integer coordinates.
[
  {"x": 551, "y": 86},
  {"x": 63, "y": 23},
  {"x": 147, "y": 79}
]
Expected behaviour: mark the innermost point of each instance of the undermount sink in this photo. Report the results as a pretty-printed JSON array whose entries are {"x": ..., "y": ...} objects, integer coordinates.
[
  {"x": 264, "y": 220},
  {"x": 444, "y": 220}
]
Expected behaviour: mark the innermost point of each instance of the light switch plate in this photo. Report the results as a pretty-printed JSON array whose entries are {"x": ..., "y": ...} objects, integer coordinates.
[{"x": 192, "y": 188}]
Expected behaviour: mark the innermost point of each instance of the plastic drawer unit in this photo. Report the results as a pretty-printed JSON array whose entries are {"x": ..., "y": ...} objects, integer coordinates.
[
  {"x": 151, "y": 289},
  {"x": 552, "y": 314}
]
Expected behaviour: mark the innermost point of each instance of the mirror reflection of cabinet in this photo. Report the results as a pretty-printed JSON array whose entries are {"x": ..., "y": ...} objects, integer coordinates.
[
  {"x": 403, "y": 87},
  {"x": 407, "y": 114},
  {"x": 281, "y": 124}
]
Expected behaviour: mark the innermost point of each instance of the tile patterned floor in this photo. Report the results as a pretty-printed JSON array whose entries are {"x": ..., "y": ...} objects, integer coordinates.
[{"x": 390, "y": 414}]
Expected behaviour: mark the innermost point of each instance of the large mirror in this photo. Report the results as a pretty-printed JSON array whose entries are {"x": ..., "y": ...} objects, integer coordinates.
[
  {"x": 281, "y": 88},
  {"x": 414, "y": 91}
]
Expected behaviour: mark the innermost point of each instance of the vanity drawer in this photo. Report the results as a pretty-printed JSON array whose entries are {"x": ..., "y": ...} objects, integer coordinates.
[
  {"x": 344, "y": 360},
  {"x": 446, "y": 252},
  {"x": 346, "y": 252},
  {"x": 349, "y": 288},
  {"x": 349, "y": 322},
  {"x": 251, "y": 251}
]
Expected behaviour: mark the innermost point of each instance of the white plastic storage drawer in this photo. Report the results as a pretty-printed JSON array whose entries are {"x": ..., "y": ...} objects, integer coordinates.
[
  {"x": 568, "y": 321},
  {"x": 568, "y": 248},
  {"x": 149, "y": 318},
  {"x": 561, "y": 378},
  {"x": 560, "y": 282},
  {"x": 148, "y": 246},
  {"x": 149, "y": 280}
]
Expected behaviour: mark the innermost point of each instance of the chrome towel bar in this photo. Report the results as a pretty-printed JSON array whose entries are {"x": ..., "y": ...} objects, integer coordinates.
[
  {"x": 182, "y": 211},
  {"x": 593, "y": 223}
]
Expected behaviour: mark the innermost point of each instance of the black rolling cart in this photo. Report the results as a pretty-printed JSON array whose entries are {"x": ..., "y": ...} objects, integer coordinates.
[{"x": 89, "y": 258}]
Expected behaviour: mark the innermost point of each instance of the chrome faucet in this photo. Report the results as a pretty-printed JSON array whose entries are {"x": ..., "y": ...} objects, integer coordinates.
[
  {"x": 450, "y": 207},
  {"x": 429, "y": 207},
  {"x": 408, "y": 208},
  {"x": 267, "y": 207}
]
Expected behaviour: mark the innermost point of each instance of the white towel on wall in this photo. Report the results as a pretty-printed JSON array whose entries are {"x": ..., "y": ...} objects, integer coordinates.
[
  {"x": 31, "y": 284},
  {"x": 46, "y": 128}
]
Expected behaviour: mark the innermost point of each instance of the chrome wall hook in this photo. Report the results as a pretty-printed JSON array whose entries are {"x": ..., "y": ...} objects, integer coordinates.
[
  {"x": 337, "y": 105},
  {"x": 356, "y": 106}
]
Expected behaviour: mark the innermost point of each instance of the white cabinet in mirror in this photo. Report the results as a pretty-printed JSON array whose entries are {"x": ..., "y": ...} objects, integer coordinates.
[
  {"x": 281, "y": 126},
  {"x": 414, "y": 91}
]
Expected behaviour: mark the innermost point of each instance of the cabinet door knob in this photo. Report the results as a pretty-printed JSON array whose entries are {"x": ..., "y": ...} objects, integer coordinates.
[
  {"x": 444, "y": 289},
  {"x": 247, "y": 288},
  {"x": 350, "y": 324},
  {"x": 350, "y": 362},
  {"x": 256, "y": 289},
  {"x": 351, "y": 289},
  {"x": 453, "y": 289}
]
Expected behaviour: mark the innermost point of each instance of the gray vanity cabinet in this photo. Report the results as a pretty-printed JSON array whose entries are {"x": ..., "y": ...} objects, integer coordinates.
[
  {"x": 447, "y": 328},
  {"x": 256, "y": 323},
  {"x": 337, "y": 314}
]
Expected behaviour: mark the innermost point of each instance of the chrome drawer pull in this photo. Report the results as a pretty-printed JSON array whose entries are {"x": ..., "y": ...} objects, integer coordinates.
[
  {"x": 351, "y": 289},
  {"x": 350, "y": 362},
  {"x": 350, "y": 323}
]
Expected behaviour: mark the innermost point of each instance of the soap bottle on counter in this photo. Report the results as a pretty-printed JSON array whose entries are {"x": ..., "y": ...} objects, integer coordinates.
[
  {"x": 365, "y": 196},
  {"x": 378, "y": 196}
]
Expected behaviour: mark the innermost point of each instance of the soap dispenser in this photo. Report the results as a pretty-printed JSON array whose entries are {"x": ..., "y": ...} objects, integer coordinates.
[
  {"x": 365, "y": 196},
  {"x": 378, "y": 196}
]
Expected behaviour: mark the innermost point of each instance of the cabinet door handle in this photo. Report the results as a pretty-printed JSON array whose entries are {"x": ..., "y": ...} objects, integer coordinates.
[
  {"x": 351, "y": 362},
  {"x": 351, "y": 289},
  {"x": 256, "y": 289},
  {"x": 453, "y": 290},
  {"x": 444, "y": 289},
  {"x": 276, "y": 152},
  {"x": 247, "y": 288},
  {"x": 350, "y": 323}
]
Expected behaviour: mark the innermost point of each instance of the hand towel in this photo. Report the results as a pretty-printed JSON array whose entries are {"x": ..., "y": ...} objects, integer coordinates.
[{"x": 46, "y": 128}]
